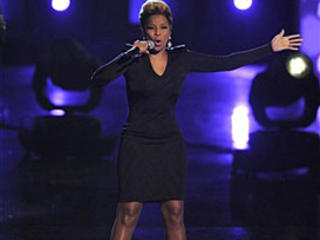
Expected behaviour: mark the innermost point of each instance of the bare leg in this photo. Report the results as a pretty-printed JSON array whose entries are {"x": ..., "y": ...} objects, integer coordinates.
[
  {"x": 172, "y": 212},
  {"x": 127, "y": 216}
]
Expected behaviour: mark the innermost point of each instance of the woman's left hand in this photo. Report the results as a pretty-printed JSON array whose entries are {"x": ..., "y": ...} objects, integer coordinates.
[{"x": 281, "y": 42}]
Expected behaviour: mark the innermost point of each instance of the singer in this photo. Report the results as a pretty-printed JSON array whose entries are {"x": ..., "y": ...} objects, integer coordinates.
[{"x": 151, "y": 165}]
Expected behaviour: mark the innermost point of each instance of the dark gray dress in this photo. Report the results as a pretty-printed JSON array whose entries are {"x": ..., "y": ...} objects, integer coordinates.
[{"x": 152, "y": 158}]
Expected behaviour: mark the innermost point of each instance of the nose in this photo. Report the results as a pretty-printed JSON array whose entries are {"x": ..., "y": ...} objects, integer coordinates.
[{"x": 157, "y": 32}]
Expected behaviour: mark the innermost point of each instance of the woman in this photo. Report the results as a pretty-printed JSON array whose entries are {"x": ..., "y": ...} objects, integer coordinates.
[{"x": 151, "y": 163}]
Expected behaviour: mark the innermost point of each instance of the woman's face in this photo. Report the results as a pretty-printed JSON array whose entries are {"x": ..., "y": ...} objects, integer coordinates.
[{"x": 158, "y": 30}]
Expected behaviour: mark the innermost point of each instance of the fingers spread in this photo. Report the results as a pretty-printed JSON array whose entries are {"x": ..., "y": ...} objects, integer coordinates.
[
  {"x": 296, "y": 40},
  {"x": 295, "y": 44},
  {"x": 293, "y": 36},
  {"x": 293, "y": 48}
]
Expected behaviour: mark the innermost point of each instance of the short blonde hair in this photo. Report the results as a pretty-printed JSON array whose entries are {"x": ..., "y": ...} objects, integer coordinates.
[{"x": 153, "y": 7}]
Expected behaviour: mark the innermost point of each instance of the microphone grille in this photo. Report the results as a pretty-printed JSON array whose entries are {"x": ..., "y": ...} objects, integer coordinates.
[{"x": 150, "y": 44}]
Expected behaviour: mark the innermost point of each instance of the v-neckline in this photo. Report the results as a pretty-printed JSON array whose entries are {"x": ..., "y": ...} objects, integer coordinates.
[{"x": 165, "y": 70}]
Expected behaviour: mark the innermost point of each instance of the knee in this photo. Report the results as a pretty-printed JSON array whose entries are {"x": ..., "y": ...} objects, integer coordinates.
[
  {"x": 129, "y": 215},
  {"x": 174, "y": 216}
]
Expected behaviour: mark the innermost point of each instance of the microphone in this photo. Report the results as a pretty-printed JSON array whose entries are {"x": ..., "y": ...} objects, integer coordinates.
[
  {"x": 135, "y": 52},
  {"x": 151, "y": 45}
]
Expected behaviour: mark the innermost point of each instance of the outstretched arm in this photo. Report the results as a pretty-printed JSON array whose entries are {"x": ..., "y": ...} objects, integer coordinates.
[{"x": 199, "y": 62}]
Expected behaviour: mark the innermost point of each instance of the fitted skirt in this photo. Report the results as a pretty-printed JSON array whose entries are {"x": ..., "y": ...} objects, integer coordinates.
[{"x": 151, "y": 170}]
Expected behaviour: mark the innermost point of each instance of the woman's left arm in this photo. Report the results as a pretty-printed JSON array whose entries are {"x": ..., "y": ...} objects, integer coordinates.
[{"x": 199, "y": 62}]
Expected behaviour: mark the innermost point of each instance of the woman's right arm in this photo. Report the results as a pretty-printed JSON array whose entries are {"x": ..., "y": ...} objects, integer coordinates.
[
  {"x": 111, "y": 70},
  {"x": 118, "y": 66}
]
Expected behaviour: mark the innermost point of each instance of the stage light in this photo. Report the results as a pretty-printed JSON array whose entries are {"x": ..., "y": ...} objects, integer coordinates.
[
  {"x": 291, "y": 111},
  {"x": 60, "y": 97},
  {"x": 57, "y": 112},
  {"x": 298, "y": 66},
  {"x": 318, "y": 12},
  {"x": 243, "y": 4},
  {"x": 240, "y": 127},
  {"x": 60, "y": 5}
]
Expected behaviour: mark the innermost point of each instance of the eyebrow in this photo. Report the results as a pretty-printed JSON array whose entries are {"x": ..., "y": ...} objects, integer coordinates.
[{"x": 162, "y": 24}]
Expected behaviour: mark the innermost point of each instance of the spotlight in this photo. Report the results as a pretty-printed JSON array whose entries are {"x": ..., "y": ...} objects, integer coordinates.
[
  {"x": 298, "y": 66},
  {"x": 243, "y": 4},
  {"x": 286, "y": 94},
  {"x": 61, "y": 97},
  {"x": 60, "y": 5},
  {"x": 57, "y": 112},
  {"x": 240, "y": 127}
]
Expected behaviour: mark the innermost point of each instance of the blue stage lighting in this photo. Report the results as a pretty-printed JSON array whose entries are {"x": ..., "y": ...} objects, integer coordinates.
[
  {"x": 61, "y": 97},
  {"x": 318, "y": 64},
  {"x": 57, "y": 112},
  {"x": 310, "y": 26},
  {"x": 134, "y": 9},
  {"x": 60, "y": 5},
  {"x": 243, "y": 4},
  {"x": 240, "y": 127}
]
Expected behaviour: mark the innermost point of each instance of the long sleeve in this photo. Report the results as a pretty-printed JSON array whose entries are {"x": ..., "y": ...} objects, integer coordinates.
[
  {"x": 199, "y": 62},
  {"x": 112, "y": 70}
]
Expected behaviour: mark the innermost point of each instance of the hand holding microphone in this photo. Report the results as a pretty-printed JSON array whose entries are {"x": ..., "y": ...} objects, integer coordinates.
[
  {"x": 144, "y": 46},
  {"x": 140, "y": 47}
]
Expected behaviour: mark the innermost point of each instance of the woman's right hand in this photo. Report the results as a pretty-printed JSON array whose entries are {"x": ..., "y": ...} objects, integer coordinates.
[{"x": 142, "y": 45}]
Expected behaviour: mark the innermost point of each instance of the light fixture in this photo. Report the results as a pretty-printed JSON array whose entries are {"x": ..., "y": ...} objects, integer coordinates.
[
  {"x": 298, "y": 66},
  {"x": 243, "y": 4},
  {"x": 240, "y": 127},
  {"x": 60, "y": 5},
  {"x": 57, "y": 112}
]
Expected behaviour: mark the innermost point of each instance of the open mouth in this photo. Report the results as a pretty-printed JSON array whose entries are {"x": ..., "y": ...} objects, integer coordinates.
[{"x": 157, "y": 42}]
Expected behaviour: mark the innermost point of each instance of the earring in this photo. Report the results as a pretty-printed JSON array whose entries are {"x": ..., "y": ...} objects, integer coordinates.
[{"x": 169, "y": 43}]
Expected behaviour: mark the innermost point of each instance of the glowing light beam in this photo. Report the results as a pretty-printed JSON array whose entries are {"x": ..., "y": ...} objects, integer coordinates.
[
  {"x": 57, "y": 112},
  {"x": 298, "y": 66},
  {"x": 243, "y": 4},
  {"x": 240, "y": 127},
  {"x": 60, "y": 5}
]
